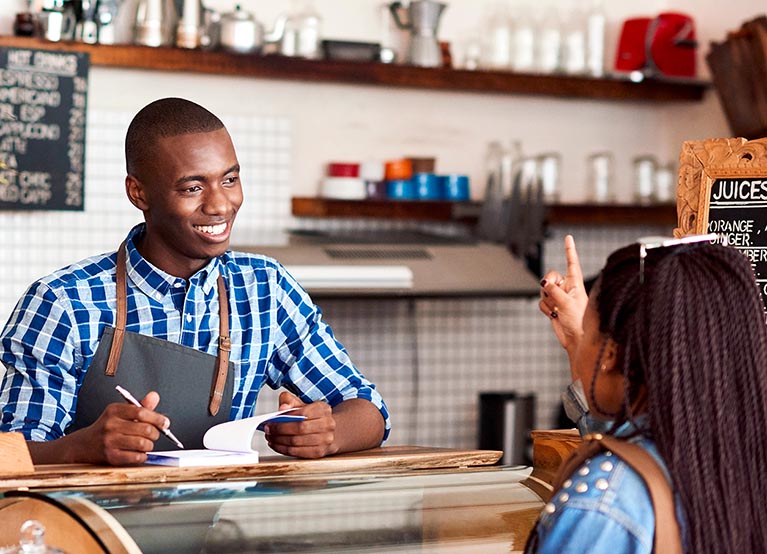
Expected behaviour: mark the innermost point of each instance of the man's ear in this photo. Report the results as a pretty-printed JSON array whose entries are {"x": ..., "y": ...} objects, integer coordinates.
[
  {"x": 610, "y": 355},
  {"x": 135, "y": 191}
]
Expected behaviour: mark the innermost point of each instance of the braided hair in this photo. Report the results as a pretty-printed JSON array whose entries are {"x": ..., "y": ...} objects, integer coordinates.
[{"x": 694, "y": 335}]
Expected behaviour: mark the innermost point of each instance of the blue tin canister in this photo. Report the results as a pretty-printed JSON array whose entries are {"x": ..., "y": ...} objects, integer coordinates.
[
  {"x": 455, "y": 187},
  {"x": 427, "y": 186},
  {"x": 401, "y": 189}
]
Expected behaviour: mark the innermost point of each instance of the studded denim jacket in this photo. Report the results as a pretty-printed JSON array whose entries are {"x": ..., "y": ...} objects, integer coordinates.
[{"x": 604, "y": 508}]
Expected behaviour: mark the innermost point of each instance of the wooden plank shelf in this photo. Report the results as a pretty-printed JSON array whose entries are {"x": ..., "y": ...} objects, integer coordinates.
[
  {"x": 467, "y": 212},
  {"x": 376, "y": 74}
]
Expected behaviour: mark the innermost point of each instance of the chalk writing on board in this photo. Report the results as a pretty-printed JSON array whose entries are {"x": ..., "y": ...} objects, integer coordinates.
[
  {"x": 738, "y": 212},
  {"x": 43, "y": 100}
]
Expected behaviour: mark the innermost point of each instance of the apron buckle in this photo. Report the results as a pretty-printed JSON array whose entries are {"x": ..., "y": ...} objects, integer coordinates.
[{"x": 225, "y": 344}]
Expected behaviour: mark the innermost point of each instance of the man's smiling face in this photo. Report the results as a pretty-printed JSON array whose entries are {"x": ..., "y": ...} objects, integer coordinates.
[{"x": 190, "y": 193}]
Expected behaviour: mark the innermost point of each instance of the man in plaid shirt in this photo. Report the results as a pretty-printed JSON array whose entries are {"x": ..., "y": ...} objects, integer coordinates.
[{"x": 183, "y": 174}]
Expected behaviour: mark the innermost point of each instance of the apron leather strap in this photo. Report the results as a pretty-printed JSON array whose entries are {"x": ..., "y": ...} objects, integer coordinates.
[
  {"x": 224, "y": 342},
  {"x": 122, "y": 312},
  {"x": 224, "y": 346},
  {"x": 668, "y": 539}
]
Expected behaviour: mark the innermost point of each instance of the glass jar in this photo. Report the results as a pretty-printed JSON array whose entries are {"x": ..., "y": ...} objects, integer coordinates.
[
  {"x": 644, "y": 179},
  {"x": 665, "y": 181},
  {"x": 600, "y": 175}
]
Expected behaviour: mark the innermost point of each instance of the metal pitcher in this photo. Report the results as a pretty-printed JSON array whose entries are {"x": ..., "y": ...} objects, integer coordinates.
[
  {"x": 422, "y": 22},
  {"x": 155, "y": 22}
]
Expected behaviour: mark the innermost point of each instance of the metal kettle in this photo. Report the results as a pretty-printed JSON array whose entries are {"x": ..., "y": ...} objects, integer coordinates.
[
  {"x": 155, "y": 22},
  {"x": 422, "y": 22},
  {"x": 241, "y": 32}
]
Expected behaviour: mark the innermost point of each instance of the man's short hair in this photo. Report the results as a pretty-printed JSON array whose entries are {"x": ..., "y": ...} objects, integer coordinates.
[{"x": 167, "y": 117}]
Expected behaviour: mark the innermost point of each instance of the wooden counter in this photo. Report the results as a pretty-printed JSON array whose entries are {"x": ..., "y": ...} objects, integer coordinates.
[{"x": 390, "y": 458}]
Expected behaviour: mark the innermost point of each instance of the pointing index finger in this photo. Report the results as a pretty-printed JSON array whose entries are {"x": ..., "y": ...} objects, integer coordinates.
[{"x": 573, "y": 263}]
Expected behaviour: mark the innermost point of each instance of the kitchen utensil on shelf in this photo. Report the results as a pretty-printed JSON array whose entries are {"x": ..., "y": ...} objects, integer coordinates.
[
  {"x": 343, "y": 188},
  {"x": 155, "y": 22},
  {"x": 665, "y": 181},
  {"x": 526, "y": 215},
  {"x": 455, "y": 188},
  {"x": 26, "y": 24},
  {"x": 86, "y": 28},
  {"x": 106, "y": 14},
  {"x": 401, "y": 189},
  {"x": 57, "y": 18},
  {"x": 423, "y": 165},
  {"x": 301, "y": 37},
  {"x": 211, "y": 29},
  {"x": 644, "y": 179},
  {"x": 548, "y": 166},
  {"x": 343, "y": 169},
  {"x": 372, "y": 172},
  {"x": 489, "y": 225},
  {"x": 599, "y": 185},
  {"x": 190, "y": 24},
  {"x": 535, "y": 231},
  {"x": 398, "y": 169},
  {"x": 661, "y": 45},
  {"x": 427, "y": 186},
  {"x": 350, "y": 51},
  {"x": 242, "y": 32},
  {"x": 422, "y": 23},
  {"x": 515, "y": 217}
]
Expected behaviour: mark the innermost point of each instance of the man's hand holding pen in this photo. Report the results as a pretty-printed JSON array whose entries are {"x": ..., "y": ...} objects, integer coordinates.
[{"x": 124, "y": 433}]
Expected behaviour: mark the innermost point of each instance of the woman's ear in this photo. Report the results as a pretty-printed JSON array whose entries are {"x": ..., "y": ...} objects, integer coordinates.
[
  {"x": 135, "y": 191},
  {"x": 609, "y": 356}
]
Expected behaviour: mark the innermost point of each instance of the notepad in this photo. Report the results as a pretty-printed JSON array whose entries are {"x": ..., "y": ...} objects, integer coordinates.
[{"x": 226, "y": 444}]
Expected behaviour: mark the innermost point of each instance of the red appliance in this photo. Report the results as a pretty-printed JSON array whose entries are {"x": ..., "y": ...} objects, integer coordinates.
[{"x": 665, "y": 44}]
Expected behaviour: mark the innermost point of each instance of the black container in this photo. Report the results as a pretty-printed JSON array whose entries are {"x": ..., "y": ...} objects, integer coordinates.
[
  {"x": 505, "y": 422},
  {"x": 349, "y": 51}
]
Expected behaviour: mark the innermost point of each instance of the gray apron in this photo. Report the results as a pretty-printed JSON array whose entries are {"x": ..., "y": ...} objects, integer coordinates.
[{"x": 195, "y": 388}]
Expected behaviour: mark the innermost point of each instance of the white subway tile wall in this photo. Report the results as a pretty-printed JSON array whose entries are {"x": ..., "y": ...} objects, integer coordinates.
[{"x": 429, "y": 358}]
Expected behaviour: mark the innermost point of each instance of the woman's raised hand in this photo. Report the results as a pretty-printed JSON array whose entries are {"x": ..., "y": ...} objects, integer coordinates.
[{"x": 564, "y": 299}]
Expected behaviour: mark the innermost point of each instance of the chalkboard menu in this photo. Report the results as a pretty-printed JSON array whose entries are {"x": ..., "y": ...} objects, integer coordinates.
[
  {"x": 737, "y": 211},
  {"x": 43, "y": 98},
  {"x": 723, "y": 190}
]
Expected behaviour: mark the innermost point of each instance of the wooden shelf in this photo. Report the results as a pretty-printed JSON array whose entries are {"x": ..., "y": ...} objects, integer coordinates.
[
  {"x": 467, "y": 212},
  {"x": 377, "y": 74}
]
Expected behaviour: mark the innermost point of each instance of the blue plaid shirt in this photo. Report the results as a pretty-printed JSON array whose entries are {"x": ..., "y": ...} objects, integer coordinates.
[{"x": 278, "y": 335}]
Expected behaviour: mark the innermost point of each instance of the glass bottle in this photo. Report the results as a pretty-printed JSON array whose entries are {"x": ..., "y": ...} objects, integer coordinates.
[
  {"x": 665, "y": 183},
  {"x": 549, "y": 42},
  {"x": 596, "y": 22},
  {"x": 497, "y": 51},
  {"x": 644, "y": 179},
  {"x": 600, "y": 175},
  {"x": 523, "y": 51},
  {"x": 574, "y": 42}
]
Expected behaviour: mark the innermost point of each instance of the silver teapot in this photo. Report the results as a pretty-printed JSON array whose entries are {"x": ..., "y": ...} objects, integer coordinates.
[{"x": 241, "y": 32}]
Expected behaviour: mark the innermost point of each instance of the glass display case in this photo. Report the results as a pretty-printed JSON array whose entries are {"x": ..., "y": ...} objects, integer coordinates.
[{"x": 482, "y": 510}]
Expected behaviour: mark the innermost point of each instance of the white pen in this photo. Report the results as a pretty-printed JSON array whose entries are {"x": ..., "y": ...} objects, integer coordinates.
[{"x": 130, "y": 398}]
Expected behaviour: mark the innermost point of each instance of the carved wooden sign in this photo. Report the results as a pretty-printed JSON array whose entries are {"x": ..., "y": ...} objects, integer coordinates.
[{"x": 723, "y": 189}]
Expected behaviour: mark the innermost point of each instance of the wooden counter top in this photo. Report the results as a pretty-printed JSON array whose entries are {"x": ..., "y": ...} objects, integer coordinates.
[{"x": 390, "y": 458}]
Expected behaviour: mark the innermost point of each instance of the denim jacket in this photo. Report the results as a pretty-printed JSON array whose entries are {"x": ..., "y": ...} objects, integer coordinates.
[{"x": 604, "y": 508}]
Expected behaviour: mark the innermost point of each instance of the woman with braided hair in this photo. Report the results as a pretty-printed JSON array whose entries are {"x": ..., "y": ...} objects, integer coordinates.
[{"x": 671, "y": 352}]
